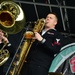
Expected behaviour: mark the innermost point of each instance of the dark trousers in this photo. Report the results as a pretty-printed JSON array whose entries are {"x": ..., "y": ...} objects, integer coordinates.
[{"x": 32, "y": 69}]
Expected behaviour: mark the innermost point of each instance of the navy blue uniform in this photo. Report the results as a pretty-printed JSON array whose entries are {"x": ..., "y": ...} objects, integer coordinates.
[{"x": 41, "y": 54}]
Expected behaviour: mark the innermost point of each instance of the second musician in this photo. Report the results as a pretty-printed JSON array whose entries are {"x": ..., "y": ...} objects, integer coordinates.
[{"x": 46, "y": 45}]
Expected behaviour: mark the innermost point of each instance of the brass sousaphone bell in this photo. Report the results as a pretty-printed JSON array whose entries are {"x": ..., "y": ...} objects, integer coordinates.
[{"x": 12, "y": 21}]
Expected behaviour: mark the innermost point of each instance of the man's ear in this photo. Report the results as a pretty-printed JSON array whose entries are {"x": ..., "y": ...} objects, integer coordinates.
[{"x": 55, "y": 23}]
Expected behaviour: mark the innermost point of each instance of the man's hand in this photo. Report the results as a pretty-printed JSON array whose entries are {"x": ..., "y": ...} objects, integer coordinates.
[
  {"x": 37, "y": 36},
  {"x": 3, "y": 39}
]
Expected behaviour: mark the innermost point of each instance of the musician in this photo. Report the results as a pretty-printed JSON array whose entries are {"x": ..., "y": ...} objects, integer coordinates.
[
  {"x": 4, "y": 40},
  {"x": 43, "y": 50}
]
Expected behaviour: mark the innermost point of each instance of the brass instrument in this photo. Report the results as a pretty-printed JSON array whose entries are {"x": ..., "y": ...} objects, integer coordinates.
[
  {"x": 25, "y": 48},
  {"x": 12, "y": 21}
]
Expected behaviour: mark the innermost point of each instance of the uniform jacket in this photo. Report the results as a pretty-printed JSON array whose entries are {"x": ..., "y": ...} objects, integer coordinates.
[{"x": 43, "y": 53}]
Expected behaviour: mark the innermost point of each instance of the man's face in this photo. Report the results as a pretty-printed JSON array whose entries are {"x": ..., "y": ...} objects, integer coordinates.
[{"x": 51, "y": 21}]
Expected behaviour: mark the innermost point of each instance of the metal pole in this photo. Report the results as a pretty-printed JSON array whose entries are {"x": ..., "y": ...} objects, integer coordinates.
[
  {"x": 43, "y": 4},
  {"x": 66, "y": 17},
  {"x": 50, "y": 6},
  {"x": 59, "y": 4},
  {"x": 36, "y": 10}
]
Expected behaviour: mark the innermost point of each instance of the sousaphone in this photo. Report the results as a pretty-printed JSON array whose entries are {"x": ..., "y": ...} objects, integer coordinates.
[{"x": 12, "y": 21}]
